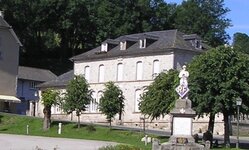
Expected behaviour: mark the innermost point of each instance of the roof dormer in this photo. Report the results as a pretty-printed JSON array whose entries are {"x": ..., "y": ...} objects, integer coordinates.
[
  {"x": 142, "y": 43},
  {"x": 146, "y": 40},
  {"x": 194, "y": 39},
  {"x": 126, "y": 42},
  {"x": 104, "y": 47},
  {"x": 108, "y": 45},
  {"x": 123, "y": 45}
]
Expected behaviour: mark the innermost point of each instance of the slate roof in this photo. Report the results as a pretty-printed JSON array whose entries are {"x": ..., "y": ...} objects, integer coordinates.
[
  {"x": 163, "y": 42},
  {"x": 60, "y": 81},
  {"x": 5, "y": 25},
  {"x": 35, "y": 74}
]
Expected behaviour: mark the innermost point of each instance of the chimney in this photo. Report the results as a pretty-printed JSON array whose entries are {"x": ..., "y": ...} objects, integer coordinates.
[{"x": 1, "y": 14}]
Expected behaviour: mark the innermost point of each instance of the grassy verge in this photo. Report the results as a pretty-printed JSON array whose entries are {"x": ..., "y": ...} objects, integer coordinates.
[{"x": 15, "y": 124}]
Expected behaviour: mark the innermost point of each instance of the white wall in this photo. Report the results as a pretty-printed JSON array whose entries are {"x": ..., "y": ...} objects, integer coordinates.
[
  {"x": 129, "y": 84},
  {"x": 129, "y": 67}
]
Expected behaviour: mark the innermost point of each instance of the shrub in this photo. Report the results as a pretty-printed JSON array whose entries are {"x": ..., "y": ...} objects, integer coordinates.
[
  {"x": 119, "y": 147},
  {"x": 90, "y": 128}
]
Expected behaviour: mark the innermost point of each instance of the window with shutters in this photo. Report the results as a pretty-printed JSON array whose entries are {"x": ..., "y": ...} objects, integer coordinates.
[
  {"x": 101, "y": 73},
  {"x": 87, "y": 73},
  {"x": 139, "y": 71},
  {"x": 156, "y": 68},
  {"x": 120, "y": 70},
  {"x": 137, "y": 99},
  {"x": 142, "y": 43},
  {"x": 104, "y": 47},
  {"x": 122, "y": 45}
]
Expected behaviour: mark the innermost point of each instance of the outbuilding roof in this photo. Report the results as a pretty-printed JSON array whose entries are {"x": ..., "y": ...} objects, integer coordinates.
[
  {"x": 60, "y": 81},
  {"x": 162, "y": 42},
  {"x": 35, "y": 74}
]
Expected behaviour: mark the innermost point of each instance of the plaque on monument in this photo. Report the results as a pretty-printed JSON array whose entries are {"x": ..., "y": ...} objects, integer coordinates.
[
  {"x": 181, "y": 140},
  {"x": 182, "y": 126}
]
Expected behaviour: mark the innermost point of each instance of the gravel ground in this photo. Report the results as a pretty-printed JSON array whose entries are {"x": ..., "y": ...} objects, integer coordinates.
[{"x": 22, "y": 142}]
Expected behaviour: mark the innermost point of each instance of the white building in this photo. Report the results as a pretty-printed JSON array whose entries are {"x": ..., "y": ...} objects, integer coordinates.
[{"x": 132, "y": 62}]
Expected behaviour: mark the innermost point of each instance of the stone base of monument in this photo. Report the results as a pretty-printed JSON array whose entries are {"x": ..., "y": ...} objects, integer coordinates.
[
  {"x": 181, "y": 139},
  {"x": 178, "y": 143},
  {"x": 181, "y": 143}
]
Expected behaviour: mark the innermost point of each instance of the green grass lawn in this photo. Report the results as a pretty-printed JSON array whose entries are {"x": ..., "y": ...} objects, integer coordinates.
[{"x": 16, "y": 124}]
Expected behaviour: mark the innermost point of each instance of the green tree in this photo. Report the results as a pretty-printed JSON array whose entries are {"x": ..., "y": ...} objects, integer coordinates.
[
  {"x": 160, "y": 96},
  {"x": 217, "y": 78},
  {"x": 205, "y": 18},
  {"x": 77, "y": 96},
  {"x": 241, "y": 42},
  {"x": 50, "y": 97},
  {"x": 112, "y": 101}
]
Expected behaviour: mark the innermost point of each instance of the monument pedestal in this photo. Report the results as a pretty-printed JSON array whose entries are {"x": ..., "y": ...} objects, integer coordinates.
[
  {"x": 182, "y": 122},
  {"x": 182, "y": 138}
]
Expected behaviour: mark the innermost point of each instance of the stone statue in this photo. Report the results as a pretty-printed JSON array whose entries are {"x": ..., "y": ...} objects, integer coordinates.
[
  {"x": 183, "y": 75},
  {"x": 183, "y": 89}
]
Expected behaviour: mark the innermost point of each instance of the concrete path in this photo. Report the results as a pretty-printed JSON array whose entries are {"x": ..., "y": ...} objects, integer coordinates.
[{"x": 22, "y": 142}]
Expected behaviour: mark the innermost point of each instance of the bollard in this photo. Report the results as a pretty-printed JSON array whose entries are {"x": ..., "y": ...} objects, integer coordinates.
[
  {"x": 59, "y": 130},
  {"x": 27, "y": 129},
  {"x": 145, "y": 141}
]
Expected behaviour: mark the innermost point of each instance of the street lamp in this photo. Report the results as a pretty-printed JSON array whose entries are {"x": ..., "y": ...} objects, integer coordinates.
[{"x": 238, "y": 103}]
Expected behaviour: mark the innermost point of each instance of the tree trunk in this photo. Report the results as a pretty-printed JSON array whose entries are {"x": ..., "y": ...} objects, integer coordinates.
[
  {"x": 110, "y": 123},
  {"x": 120, "y": 115},
  {"x": 211, "y": 123},
  {"x": 226, "y": 129},
  {"x": 120, "y": 111},
  {"x": 47, "y": 118},
  {"x": 78, "y": 114}
]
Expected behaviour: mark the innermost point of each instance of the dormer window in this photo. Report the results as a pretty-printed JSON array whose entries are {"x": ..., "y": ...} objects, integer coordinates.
[
  {"x": 122, "y": 45},
  {"x": 142, "y": 43},
  {"x": 198, "y": 44},
  {"x": 104, "y": 47}
]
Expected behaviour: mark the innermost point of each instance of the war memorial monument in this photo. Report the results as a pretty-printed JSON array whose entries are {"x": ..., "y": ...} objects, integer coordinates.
[{"x": 182, "y": 114}]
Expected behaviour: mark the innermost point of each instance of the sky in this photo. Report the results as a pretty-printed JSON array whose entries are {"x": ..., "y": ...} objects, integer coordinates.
[{"x": 239, "y": 15}]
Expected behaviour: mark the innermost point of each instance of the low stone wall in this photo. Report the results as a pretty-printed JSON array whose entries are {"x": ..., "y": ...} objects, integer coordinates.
[{"x": 200, "y": 125}]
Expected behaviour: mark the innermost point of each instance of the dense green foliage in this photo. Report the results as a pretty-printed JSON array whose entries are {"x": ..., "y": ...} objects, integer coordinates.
[
  {"x": 112, "y": 101},
  {"x": 49, "y": 97},
  {"x": 16, "y": 124},
  {"x": 77, "y": 97},
  {"x": 205, "y": 18},
  {"x": 53, "y": 31},
  {"x": 217, "y": 78},
  {"x": 160, "y": 96},
  {"x": 241, "y": 42}
]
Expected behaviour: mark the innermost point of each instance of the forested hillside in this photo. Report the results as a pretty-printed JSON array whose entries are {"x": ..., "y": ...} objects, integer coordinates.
[{"x": 52, "y": 31}]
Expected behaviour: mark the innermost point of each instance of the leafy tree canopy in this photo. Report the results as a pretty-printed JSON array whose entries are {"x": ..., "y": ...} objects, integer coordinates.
[
  {"x": 241, "y": 42},
  {"x": 205, "y": 18},
  {"x": 217, "y": 78},
  {"x": 77, "y": 96},
  {"x": 112, "y": 101},
  {"x": 53, "y": 31},
  {"x": 50, "y": 97},
  {"x": 160, "y": 96}
]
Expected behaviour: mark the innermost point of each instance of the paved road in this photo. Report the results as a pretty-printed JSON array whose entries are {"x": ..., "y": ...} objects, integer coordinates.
[{"x": 22, "y": 142}]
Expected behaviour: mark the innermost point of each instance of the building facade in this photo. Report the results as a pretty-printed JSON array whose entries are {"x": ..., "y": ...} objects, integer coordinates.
[
  {"x": 9, "y": 60},
  {"x": 132, "y": 62},
  {"x": 27, "y": 92}
]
